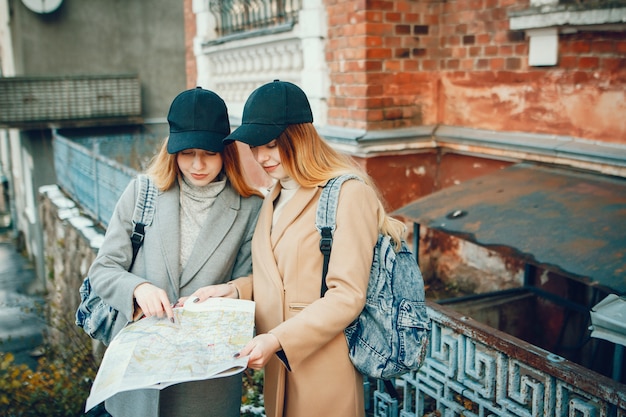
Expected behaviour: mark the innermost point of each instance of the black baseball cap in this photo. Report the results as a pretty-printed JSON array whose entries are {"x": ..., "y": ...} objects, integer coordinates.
[
  {"x": 198, "y": 119},
  {"x": 269, "y": 110}
]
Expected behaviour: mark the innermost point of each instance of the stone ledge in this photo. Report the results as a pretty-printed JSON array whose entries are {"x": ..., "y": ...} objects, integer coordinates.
[
  {"x": 597, "y": 156},
  {"x": 67, "y": 210},
  {"x": 579, "y": 16},
  {"x": 543, "y": 24}
]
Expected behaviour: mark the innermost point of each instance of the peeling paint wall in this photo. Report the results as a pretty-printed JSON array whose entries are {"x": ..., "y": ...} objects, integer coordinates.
[
  {"x": 404, "y": 63},
  {"x": 561, "y": 102}
]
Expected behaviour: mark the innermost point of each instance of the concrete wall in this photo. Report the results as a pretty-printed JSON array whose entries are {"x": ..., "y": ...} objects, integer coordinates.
[
  {"x": 31, "y": 168},
  {"x": 106, "y": 37},
  {"x": 84, "y": 38}
]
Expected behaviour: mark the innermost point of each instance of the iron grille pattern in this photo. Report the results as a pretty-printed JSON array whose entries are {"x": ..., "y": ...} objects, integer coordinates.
[
  {"x": 474, "y": 370},
  {"x": 238, "y": 16}
]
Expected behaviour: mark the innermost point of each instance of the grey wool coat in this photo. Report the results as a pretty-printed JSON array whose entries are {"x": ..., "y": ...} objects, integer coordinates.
[{"x": 221, "y": 253}]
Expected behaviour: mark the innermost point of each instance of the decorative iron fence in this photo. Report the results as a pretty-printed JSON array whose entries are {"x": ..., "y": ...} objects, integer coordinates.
[
  {"x": 237, "y": 16},
  {"x": 475, "y": 370}
]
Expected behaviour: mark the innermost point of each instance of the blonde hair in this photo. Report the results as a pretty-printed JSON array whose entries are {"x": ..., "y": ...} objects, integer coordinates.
[
  {"x": 164, "y": 171},
  {"x": 310, "y": 161}
]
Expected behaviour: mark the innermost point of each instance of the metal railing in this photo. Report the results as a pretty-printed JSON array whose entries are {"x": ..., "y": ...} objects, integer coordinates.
[
  {"x": 95, "y": 181},
  {"x": 475, "y": 370},
  {"x": 237, "y": 16},
  {"x": 33, "y": 102}
]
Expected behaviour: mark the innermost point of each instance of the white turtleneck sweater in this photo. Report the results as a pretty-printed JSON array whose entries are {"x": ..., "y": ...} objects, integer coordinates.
[
  {"x": 289, "y": 188},
  {"x": 195, "y": 205}
]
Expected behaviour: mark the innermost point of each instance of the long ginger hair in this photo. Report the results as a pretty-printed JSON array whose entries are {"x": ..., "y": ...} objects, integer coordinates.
[
  {"x": 164, "y": 171},
  {"x": 310, "y": 161}
]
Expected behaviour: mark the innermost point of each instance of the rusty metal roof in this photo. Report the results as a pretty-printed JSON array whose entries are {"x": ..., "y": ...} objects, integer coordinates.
[{"x": 568, "y": 222}]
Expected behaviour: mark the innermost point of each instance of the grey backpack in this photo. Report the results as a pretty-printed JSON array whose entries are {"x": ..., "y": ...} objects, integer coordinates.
[
  {"x": 93, "y": 315},
  {"x": 390, "y": 336}
]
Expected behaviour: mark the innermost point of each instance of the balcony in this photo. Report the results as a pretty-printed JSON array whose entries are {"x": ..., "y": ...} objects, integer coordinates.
[{"x": 72, "y": 101}]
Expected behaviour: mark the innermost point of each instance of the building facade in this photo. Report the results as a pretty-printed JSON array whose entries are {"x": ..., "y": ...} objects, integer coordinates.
[
  {"x": 65, "y": 42},
  {"x": 429, "y": 96}
]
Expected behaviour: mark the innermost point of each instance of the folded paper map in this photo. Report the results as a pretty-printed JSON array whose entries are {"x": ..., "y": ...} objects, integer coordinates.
[{"x": 156, "y": 353}]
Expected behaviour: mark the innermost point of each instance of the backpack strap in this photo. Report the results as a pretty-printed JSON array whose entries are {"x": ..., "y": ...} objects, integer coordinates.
[
  {"x": 143, "y": 214},
  {"x": 325, "y": 222},
  {"x": 325, "y": 219}
]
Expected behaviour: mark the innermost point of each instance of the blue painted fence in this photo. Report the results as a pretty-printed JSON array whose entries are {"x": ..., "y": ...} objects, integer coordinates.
[{"x": 94, "y": 170}]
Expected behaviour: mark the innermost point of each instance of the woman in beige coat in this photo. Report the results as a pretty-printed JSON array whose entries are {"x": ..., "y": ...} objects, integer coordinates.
[{"x": 300, "y": 340}]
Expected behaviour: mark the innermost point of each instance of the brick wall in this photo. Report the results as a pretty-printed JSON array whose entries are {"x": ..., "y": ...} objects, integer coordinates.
[
  {"x": 376, "y": 59},
  {"x": 407, "y": 63},
  {"x": 582, "y": 96}
]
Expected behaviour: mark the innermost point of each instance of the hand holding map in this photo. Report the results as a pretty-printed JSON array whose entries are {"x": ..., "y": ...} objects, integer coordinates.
[{"x": 156, "y": 353}]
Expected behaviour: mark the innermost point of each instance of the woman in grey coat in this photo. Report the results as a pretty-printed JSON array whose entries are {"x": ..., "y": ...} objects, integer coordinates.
[{"x": 200, "y": 235}]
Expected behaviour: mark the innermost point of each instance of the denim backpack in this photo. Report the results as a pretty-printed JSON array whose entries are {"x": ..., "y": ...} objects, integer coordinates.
[
  {"x": 93, "y": 315},
  {"x": 390, "y": 336}
]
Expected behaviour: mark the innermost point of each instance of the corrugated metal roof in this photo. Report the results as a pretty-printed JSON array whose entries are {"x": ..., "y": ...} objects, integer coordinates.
[{"x": 569, "y": 222}]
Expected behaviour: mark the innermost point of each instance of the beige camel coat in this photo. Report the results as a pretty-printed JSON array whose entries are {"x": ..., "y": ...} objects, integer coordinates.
[{"x": 316, "y": 377}]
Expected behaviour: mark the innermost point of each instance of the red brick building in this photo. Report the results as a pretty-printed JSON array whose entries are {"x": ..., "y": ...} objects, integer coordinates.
[{"x": 395, "y": 65}]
